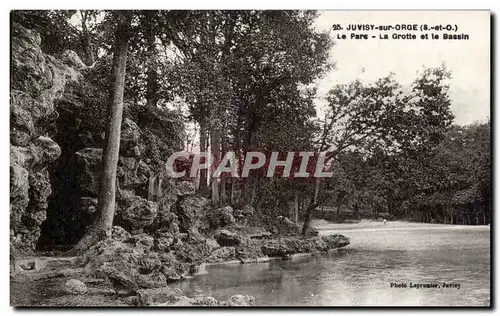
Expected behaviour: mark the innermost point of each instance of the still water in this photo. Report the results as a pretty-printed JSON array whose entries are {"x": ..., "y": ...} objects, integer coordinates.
[{"x": 361, "y": 274}]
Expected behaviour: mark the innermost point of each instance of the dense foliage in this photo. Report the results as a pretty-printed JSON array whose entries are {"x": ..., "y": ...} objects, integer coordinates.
[{"x": 245, "y": 80}]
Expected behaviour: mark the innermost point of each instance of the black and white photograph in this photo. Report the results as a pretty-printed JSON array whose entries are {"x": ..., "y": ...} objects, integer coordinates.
[{"x": 250, "y": 158}]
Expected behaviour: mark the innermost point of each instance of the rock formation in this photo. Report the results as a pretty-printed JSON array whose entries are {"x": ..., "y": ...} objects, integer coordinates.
[
  {"x": 38, "y": 80},
  {"x": 57, "y": 117}
]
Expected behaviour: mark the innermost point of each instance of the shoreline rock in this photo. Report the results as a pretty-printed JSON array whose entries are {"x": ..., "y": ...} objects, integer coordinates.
[{"x": 76, "y": 287}]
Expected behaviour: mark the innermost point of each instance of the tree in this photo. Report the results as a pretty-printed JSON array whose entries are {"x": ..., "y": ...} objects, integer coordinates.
[
  {"x": 453, "y": 185},
  {"x": 101, "y": 228},
  {"x": 358, "y": 117},
  {"x": 381, "y": 119},
  {"x": 240, "y": 71},
  {"x": 274, "y": 100}
]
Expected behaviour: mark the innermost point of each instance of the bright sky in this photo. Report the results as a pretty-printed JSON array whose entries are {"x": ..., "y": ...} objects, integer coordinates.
[{"x": 469, "y": 60}]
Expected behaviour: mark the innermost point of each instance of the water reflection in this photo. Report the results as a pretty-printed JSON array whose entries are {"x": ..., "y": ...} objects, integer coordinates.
[{"x": 361, "y": 273}]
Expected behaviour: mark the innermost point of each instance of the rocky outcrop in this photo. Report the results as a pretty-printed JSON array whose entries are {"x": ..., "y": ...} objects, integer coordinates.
[
  {"x": 227, "y": 238},
  {"x": 128, "y": 264},
  {"x": 222, "y": 254},
  {"x": 58, "y": 114},
  {"x": 191, "y": 211},
  {"x": 174, "y": 297},
  {"x": 37, "y": 81},
  {"x": 138, "y": 214},
  {"x": 81, "y": 172},
  {"x": 282, "y": 247},
  {"x": 166, "y": 219},
  {"x": 239, "y": 300},
  {"x": 129, "y": 138},
  {"x": 245, "y": 249},
  {"x": 250, "y": 250},
  {"x": 132, "y": 262},
  {"x": 221, "y": 217}
]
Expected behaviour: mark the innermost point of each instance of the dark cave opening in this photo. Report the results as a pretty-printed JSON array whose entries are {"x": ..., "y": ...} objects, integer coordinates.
[{"x": 66, "y": 220}]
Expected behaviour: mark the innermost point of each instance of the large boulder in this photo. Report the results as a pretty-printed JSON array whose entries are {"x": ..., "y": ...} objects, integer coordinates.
[
  {"x": 222, "y": 254},
  {"x": 193, "y": 250},
  {"x": 335, "y": 241},
  {"x": 30, "y": 188},
  {"x": 120, "y": 234},
  {"x": 221, "y": 217},
  {"x": 86, "y": 164},
  {"x": 164, "y": 241},
  {"x": 132, "y": 173},
  {"x": 239, "y": 300},
  {"x": 138, "y": 214},
  {"x": 162, "y": 133},
  {"x": 37, "y": 80},
  {"x": 279, "y": 248},
  {"x": 227, "y": 238},
  {"x": 285, "y": 246},
  {"x": 165, "y": 295},
  {"x": 129, "y": 139},
  {"x": 250, "y": 250},
  {"x": 182, "y": 188},
  {"x": 131, "y": 264},
  {"x": 190, "y": 211},
  {"x": 166, "y": 219},
  {"x": 19, "y": 186},
  {"x": 76, "y": 287}
]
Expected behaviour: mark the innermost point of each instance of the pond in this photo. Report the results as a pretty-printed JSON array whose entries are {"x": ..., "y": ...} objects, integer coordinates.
[{"x": 440, "y": 265}]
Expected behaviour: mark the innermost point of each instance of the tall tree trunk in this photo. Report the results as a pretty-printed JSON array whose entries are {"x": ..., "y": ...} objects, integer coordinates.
[
  {"x": 231, "y": 192},
  {"x": 223, "y": 180},
  {"x": 203, "y": 188},
  {"x": 253, "y": 194},
  {"x": 310, "y": 209},
  {"x": 296, "y": 209},
  {"x": 223, "y": 194},
  {"x": 215, "y": 148},
  {"x": 308, "y": 217},
  {"x": 237, "y": 184},
  {"x": 152, "y": 74},
  {"x": 356, "y": 210},
  {"x": 87, "y": 39},
  {"x": 337, "y": 215},
  {"x": 390, "y": 202},
  {"x": 317, "y": 183},
  {"x": 101, "y": 227}
]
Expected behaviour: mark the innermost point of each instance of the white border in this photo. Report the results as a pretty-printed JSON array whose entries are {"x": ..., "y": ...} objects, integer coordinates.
[{"x": 6, "y": 6}]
